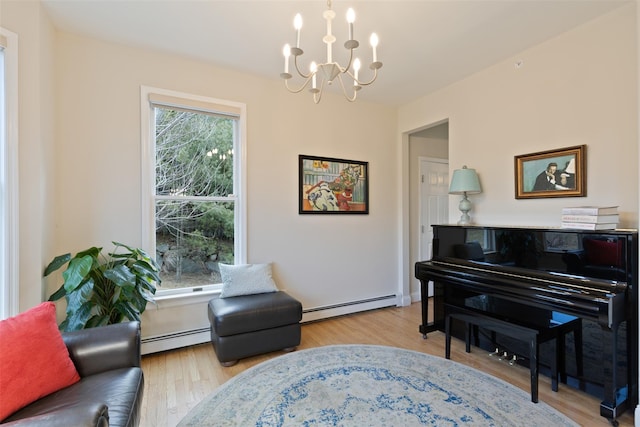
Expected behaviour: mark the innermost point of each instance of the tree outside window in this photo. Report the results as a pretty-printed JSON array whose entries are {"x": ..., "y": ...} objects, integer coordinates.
[{"x": 194, "y": 195}]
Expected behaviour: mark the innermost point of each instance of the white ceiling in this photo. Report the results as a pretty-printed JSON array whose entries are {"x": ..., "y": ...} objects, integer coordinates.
[{"x": 424, "y": 44}]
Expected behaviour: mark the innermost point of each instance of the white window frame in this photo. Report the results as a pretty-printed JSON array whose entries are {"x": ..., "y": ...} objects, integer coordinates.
[
  {"x": 172, "y": 98},
  {"x": 9, "y": 226}
]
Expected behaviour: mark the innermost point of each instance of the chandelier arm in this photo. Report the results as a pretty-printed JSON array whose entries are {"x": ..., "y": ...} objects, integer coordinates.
[
  {"x": 295, "y": 62},
  {"x": 373, "y": 79},
  {"x": 317, "y": 93},
  {"x": 305, "y": 84},
  {"x": 348, "y": 67},
  {"x": 344, "y": 91}
]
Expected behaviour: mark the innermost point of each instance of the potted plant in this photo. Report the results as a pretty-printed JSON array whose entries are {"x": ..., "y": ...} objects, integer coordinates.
[{"x": 102, "y": 290}]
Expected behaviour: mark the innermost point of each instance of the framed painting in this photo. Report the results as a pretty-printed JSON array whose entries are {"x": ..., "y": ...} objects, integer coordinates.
[
  {"x": 333, "y": 186},
  {"x": 553, "y": 173}
]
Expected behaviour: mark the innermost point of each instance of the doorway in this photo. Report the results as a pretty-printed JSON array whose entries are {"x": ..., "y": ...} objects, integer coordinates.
[{"x": 428, "y": 159}]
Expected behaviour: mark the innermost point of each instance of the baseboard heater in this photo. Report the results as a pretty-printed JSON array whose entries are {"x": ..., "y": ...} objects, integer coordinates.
[
  {"x": 175, "y": 340},
  {"x": 349, "y": 307}
]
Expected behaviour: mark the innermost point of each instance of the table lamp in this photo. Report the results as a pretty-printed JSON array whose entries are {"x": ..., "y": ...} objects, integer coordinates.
[{"x": 464, "y": 181}]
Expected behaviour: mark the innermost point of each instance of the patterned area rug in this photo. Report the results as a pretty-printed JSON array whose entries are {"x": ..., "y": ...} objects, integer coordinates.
[{"x": 358, "y": 385}]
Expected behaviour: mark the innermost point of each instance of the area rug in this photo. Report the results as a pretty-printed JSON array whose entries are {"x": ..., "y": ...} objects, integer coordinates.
[{"x": 362, "y": 385}]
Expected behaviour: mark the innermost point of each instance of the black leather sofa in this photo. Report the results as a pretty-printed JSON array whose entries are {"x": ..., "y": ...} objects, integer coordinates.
[{"x": 110, "y": 390}]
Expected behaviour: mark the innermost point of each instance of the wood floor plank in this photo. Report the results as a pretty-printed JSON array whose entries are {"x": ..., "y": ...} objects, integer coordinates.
[{"x": 175, "y": 381}]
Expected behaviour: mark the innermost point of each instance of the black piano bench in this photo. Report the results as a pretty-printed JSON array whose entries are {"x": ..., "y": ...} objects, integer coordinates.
[
  {"x": 249, "y": 325},
  {"x": 534, "y": 335}
]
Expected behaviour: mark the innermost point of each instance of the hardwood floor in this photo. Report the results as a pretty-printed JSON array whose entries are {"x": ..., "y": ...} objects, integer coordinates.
[{"x": 175, "y": 381}]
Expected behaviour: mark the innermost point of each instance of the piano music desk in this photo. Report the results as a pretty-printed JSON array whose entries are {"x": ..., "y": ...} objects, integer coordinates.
[{"x": 534, "y": 335}]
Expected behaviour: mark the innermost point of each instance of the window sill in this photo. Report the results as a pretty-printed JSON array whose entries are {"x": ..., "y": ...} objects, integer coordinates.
[{"x": 185, "y": 298}]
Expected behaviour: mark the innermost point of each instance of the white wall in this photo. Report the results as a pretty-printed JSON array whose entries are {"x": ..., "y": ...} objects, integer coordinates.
[
  {"x": 322, "y": 260},
  {"x": 578, "y": 88}
]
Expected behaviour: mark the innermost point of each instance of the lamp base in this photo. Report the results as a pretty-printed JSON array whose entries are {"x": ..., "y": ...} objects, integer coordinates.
[
  {"x": 465, "y": 219},
  {"x": 465, "y": 208}
]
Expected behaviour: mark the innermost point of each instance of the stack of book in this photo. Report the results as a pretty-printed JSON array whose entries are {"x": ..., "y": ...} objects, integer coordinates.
[{"x": 590, "y": 218}]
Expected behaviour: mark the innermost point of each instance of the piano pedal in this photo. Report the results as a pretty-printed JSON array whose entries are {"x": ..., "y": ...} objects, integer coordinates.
[
  {"x": 504, "y": 356},
  {"x": 495, "y": 353},
  {"x": 513, "y": 360}
]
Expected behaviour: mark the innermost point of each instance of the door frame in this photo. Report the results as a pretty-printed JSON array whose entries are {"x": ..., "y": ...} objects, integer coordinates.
[{"x": 406, "y": 270}]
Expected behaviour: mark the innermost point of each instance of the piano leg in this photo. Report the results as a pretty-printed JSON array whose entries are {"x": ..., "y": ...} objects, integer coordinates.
[
  {"x": 447, "y": 335},
  {"x": 534, "y": 354},
  {"x": 438, "y": 309},
  {"x": 424, "y": 301},
  {"x": 615, "y": 397}
]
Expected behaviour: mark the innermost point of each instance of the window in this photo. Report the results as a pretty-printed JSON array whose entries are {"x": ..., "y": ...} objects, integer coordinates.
[
  {"x": 8, "y": 174},
  {"x": 194, "y": 215}
]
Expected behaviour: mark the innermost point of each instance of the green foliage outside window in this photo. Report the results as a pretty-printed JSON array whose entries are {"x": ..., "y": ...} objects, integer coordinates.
[{"x": 194, "y": 162}]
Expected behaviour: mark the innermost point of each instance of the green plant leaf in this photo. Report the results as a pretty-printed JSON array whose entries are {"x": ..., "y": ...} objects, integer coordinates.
[
  {"x": 63, "y": 326},
  {"x": 127, "y": 311},
  {"x": 97, "y": 320},
  {"x": 57, "y": 262},
  {"x": 146, "y": 270},
  {"x": 80, "y": 296},
  {"x": 61, "y": 292},
  {"x": 139, "y": 301},
  {"x": 76, "y": 272},
  {"x": 121, "y": 275},
  {"x": 117, "y": 292},
  {"x": 145, "y": 286},
  {"x": 93, "y": 252},
  {"x": 77, "y": 319}
]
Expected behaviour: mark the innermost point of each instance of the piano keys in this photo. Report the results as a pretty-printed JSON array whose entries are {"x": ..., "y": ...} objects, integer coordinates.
[{"x": 591, "y": 275}]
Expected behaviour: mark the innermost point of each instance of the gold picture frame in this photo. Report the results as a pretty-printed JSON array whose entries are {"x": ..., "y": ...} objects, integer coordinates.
[{"x": 552, "y": 173}]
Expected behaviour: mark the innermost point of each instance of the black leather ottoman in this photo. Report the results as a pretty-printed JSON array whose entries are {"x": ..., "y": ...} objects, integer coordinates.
[{"x": 249, "y": 325}]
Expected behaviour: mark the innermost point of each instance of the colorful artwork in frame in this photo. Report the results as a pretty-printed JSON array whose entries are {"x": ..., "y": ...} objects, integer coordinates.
[
  {"x": 553, "y": 173},
  {"x": 333, "y": 186}
]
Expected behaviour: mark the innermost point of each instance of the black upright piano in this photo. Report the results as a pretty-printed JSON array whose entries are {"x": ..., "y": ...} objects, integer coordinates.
[{"x": 588, "y": 274}]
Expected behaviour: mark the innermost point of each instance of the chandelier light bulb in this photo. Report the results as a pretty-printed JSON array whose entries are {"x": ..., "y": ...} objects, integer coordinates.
[
  {"x": 313, "y": 68},
  {"x": 374, "y": 40},
  {"x": 356, "y": 68},
  {"x": 374, "y": 44},
  {"x": 286, "y": 51},
  {"x": 297, "y": 24},
  {"x": 351, "y": 18}
]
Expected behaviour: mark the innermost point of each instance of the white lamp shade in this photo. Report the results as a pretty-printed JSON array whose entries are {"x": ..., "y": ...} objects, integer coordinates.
[{"x": 464, "y": 181}]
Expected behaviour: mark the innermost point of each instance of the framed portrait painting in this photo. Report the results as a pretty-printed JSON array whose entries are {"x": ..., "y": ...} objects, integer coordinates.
[
  {"x": 553, "y": 173},
  {"x": 333, "y": 186}
]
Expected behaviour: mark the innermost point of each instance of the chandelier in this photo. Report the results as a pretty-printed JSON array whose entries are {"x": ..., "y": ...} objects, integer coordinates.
[{"x": 329, "y": 71}]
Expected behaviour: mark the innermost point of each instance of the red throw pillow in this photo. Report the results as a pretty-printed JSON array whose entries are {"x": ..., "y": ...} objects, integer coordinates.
[{"x": 34, "y": 361}]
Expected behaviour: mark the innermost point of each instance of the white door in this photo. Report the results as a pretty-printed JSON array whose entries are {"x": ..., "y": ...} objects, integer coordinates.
[{"x": 434, "y": 203}]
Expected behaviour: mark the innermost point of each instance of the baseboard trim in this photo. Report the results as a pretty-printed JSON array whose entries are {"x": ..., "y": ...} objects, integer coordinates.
[
  {"x": 416, "y": 296},
  {"x": 180, "y": 339}
]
